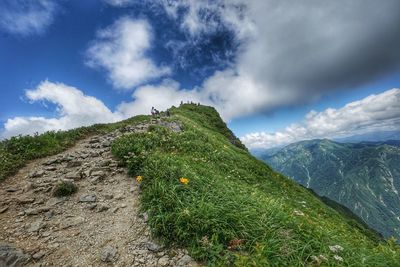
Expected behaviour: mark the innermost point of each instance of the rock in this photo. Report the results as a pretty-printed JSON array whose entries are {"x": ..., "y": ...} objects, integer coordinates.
[
  {"x": 163, "y": 261},
  {"x": 48, "y": 215},
  {"x": 28, "y": 186},
  {"x": 298, "y": 213},
  {"x": 11, "y": 189},
  {"x": 51, "y": 162},
  {"x": 74, "y": 163},
  {"x": 336, "y": 248},
  {"x": 36, "y": 225},
  {"x": 72, "y": 221},
  {"x": 109, "y": 254},
  {"x": 94, "y": 140},
  {"x": 145, "y": 217},
  {"x": 114, "y": 210},
  {"x": 91, "y": 197},
  {"x": 103, "y": 208},
  {"x": 108, "y": 196},
  {"x": 74, "y": 176},
  {"x": 4, "y": 209},
  {"x": 185, "y": 261},
  {"x": 36, "y": 211},
  {"x": 31, "y": 212},
  {"x": 50, "y": 168},
  {"x": 25, "y": 200},
  {"x": 106, "y": 143},
  {"x": 47, "y": 234},
  {"x": 36, "y": 174},
  {"x": 97, "y": 174},
  {"x": 153, "y": 247},
  {"x": 94, "y": 154},
  {"x": 38, "y": 255},
  {"x": 54, "y": 201},
  {"x": 104, "y": 163},
  {"x": 13, "y": 257},
  {"x": 338, "y": 258},
  {"x": 120, "y": 197},
  {"x": 92, "y": 206}
]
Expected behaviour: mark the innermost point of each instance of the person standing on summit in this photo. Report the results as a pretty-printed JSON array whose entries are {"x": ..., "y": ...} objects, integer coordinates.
[{"x": 152, "y": 111}]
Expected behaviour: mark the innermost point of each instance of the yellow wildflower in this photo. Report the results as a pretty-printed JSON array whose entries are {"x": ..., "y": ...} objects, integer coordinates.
[
  {"x": 184, "y": 180},
  {"x": 139, "y": 178}
]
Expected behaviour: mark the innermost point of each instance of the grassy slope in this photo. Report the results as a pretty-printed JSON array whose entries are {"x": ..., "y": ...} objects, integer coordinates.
[
  {"x": 17, "y": 151},
  {"x": 233, "y": 199}
]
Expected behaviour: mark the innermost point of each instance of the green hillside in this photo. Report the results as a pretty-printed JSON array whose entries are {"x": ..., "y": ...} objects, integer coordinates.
[
  {"x": 234, "y": 209},
  {"x": 365, "y": 177},
  {"x": 202, "y": 190}
]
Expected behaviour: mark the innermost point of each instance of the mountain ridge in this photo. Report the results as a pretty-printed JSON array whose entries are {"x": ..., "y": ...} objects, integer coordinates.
[
  {"x": 366, "y": 170},
  {"x": 198, "y": 189}
]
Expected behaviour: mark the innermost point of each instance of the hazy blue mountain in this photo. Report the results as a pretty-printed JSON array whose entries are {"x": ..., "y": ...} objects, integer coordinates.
[{"x": 364, "y": 177}]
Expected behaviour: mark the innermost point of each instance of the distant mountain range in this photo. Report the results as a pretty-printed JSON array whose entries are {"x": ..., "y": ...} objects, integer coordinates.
[{"x": 363, "y": 176}]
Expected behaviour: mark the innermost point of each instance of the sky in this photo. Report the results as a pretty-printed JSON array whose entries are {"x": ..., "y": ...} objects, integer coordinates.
[{"x": 277, "y": 71}]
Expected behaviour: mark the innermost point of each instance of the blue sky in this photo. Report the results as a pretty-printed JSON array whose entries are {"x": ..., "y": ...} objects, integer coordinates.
[{"x": 277, "y": 72}]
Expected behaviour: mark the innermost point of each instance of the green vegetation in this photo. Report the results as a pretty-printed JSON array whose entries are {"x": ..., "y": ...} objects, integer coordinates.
[
  {"x": 365, "y": 177},
  {"x": 64, "y": 189},
  {"x": 17, "y": 151},
  {"x": 232, "y": 209}
]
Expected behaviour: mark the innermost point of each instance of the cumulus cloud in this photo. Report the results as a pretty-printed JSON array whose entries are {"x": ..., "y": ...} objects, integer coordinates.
[
  {"x": 120, "y": 50},
  {"x": 292, "y": 53},
  {"x": 162, "y": 97},
  {"x": 379, "y": 112},
  {"x": 22, "y": 17},
  {"x": 289, "y": 53},
  {"x": 73, "y": 107}
]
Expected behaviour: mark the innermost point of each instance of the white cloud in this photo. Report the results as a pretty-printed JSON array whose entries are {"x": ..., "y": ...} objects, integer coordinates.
[
  {"x": 161, "y": 97},
  {"x": 119, "y": 3},
  {"x": 207, "y": 16},
  {"x": 379, "y": 112},
  {"x": 73, "y": 107},
  {"x": 26, "y": 17},
  {"x": 292, "y": 53},
  {"x": 120, "y": 49}
]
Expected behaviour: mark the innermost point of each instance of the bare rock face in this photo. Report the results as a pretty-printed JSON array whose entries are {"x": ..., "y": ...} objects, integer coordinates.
[{"x": 99, "y": 225}]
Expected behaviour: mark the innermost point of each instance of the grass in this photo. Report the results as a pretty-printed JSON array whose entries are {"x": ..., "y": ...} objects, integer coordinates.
[
  {"x": 17, "y": 151},
  {"x": 233, "y": 210},
  {"x": 64, "y": 189}
]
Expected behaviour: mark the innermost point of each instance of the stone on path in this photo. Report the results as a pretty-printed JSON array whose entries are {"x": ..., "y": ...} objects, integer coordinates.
[
  {"x": 109, "y": 254},
  {"x": 91, "y": 197}
]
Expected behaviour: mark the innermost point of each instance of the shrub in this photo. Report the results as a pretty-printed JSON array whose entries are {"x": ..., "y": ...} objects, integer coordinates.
[{"x": 65, "y": 189}]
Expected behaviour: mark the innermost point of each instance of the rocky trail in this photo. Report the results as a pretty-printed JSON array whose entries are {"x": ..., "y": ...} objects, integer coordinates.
[{"x": 99, "y": 225}]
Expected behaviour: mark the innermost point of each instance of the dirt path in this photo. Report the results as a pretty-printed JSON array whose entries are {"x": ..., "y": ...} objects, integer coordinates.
[{"x": 100, "y": 225}]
